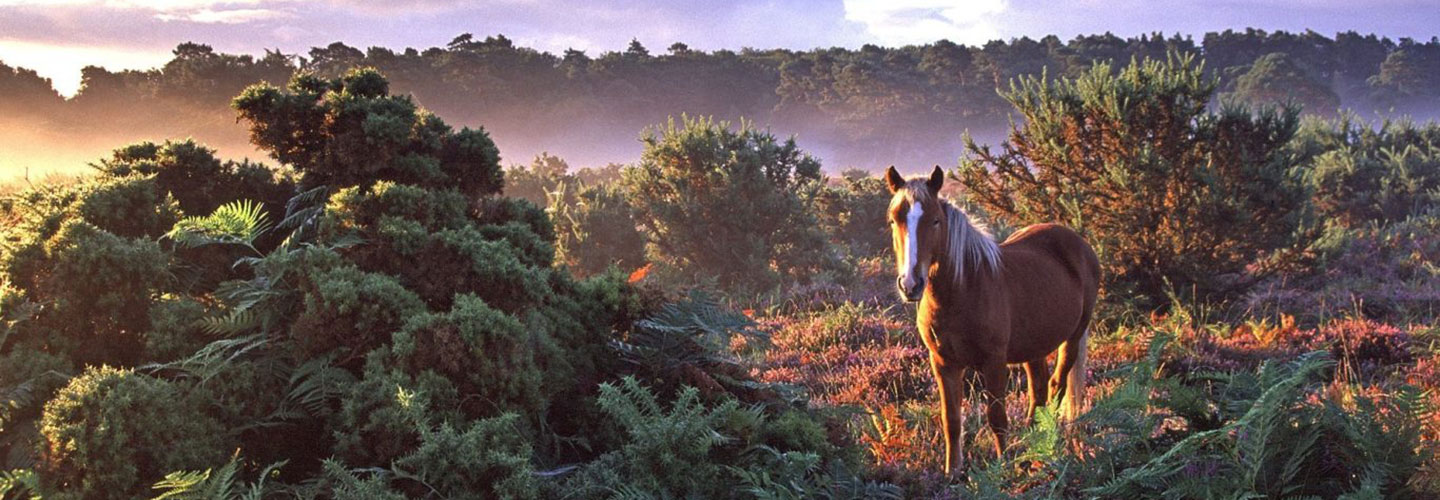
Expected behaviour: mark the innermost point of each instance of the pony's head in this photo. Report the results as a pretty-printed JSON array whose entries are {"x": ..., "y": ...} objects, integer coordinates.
[{"x": 918, "y": 228}]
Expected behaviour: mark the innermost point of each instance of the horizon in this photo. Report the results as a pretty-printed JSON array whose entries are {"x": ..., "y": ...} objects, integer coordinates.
[{"x": 56, "y": 38}]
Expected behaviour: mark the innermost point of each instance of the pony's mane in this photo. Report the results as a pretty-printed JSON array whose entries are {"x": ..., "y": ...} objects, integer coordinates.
[{"x": 969, "y": 242}]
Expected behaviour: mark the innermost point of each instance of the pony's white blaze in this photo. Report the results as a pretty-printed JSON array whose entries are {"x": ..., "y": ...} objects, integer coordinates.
[{"x": 912, "y": 251}]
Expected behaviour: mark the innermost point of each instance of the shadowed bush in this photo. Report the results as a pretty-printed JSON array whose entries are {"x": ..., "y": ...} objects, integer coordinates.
[
  {"x": 198, "y": 180},
  {"x": 112, "y": 433},
  {"x": 349, "y": 131}
]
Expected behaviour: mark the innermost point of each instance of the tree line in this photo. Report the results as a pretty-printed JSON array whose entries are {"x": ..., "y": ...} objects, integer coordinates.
[{"x": 852, "y": 106}]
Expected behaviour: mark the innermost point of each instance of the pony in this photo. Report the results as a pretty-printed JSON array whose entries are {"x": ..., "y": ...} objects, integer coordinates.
[{"x": 983, "y": 306}]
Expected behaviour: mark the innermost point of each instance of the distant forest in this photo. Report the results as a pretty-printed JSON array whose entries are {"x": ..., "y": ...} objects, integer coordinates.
[{"x": 865, "y": 107}]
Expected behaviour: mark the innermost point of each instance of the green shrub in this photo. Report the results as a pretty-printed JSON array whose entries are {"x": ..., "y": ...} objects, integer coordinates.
[
  {"x": 176, "y": 328},
  {"x": 595, "y": 230},
  {"x": 424, "y": 238},
  {"x": 131, "y": 208},
  {"x": 488, "y": 459},
  {"x": 728, "y": 204},
  {"x": 381, "y": 417},
  {"x": 98, "y": 288},
  {"x": 196, "y": 179},
  {"x": 349, "y": 131},
  {"x": 488, "y": 354},
  {"x": 1358, "y": 173},
  {"x": 1166, "y": 191},
  {"x": 112, "y": 433},
  {"x": 355, "y": 208},
  {"x": 852, "y": 211},
  {"x": 501, "y": 210},
  {"x": 28, "y": 378},
  {"x": 349, "y": 308}
]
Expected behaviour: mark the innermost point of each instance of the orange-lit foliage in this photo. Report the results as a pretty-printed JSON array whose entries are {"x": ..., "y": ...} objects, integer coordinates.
[{"x": 1169, "y": 193}]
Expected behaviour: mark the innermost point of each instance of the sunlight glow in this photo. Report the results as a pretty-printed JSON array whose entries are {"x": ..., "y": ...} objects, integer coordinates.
[{"x": 62, "y": 63}]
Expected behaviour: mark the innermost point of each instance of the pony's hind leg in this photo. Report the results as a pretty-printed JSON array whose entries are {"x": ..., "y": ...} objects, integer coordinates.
[
  {"x": 1071, "y": 358},
  {"x": 1037, "y": 372},
  {"x": 1064, "y": 362}
]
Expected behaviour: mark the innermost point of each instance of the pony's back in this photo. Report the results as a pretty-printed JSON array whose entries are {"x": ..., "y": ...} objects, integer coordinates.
[
  {"x": 1063, "y": 246},
  {"x": 1066, "y": 246}
]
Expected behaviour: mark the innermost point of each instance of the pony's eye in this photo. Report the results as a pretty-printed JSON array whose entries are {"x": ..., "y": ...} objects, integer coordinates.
[{"x": 936, "y": 223}]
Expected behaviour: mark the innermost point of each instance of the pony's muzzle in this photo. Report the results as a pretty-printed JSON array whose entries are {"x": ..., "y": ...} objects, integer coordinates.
[{"x": 912, "y": 292}]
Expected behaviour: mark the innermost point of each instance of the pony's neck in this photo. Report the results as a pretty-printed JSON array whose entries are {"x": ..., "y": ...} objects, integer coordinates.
[{"x": 969, "y": 248}]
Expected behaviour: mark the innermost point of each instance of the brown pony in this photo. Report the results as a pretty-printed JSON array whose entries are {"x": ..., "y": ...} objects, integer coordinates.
[{"x": 985, "y": 305}]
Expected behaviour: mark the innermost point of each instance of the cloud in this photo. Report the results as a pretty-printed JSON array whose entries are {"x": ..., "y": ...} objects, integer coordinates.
[
  {"x": 904, "y": 22},
  {"x": 196, "y": 11},
  {"x": 235, "y": 16},
  {"x": 154, "y": 5}
]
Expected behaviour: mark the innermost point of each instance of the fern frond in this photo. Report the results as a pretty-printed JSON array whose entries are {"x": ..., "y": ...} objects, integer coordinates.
[
  {"x": 236, "y": 223},
  {"x": 316, "y": 383},
  {"x": 212, "y": 359},
  {"x": 302, "y": 215},
  {"x": 26, "y": 398}
]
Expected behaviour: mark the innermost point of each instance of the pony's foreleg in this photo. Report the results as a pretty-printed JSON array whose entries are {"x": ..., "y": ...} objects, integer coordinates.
[
  {"x": 994, "y": 377},
  {"x": 1037, "y": 375},
  {"x": 950, "y": 382}
]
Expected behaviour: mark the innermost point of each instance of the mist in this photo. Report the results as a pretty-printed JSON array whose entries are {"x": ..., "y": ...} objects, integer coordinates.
[{"x": 866, "y": 108}]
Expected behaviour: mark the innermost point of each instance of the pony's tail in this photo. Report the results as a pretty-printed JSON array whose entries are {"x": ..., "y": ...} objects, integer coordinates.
[{"x": 1075, "y": 381}]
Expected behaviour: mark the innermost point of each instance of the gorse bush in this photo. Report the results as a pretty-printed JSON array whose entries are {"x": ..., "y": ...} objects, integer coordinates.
[
  {"x": 394, "y": 329},
  {"x": 198, "y": 180},
  {"x": 1166, "y": 191},
  {"x": 488, "y": 354},
  {"x": 536, "y": 182},
  {"x": 728, "y": 204},
  {"x": 110, "y": 433},
  {"x": 99, "y": 287},
  {"x": 349, "y": 131},
  {"x": 127, "y": 207},
  {"x": 852, "y": 211},
  {"x": 595, "y": 229},
  {"x": 394, "y": 313},
  {"x": 1359, "y": 174}
]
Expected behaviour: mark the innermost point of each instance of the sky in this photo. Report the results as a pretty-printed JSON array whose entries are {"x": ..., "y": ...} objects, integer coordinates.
[{"x": 59, "y": 37}]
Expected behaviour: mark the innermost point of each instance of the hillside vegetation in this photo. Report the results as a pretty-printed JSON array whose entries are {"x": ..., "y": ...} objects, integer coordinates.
[
  {"x": 870, "y": 106},
  {"x": 390, "y": 313}
]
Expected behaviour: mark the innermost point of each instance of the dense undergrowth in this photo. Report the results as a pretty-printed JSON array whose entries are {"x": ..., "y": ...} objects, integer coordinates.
[{"x": 378, "y": 319}]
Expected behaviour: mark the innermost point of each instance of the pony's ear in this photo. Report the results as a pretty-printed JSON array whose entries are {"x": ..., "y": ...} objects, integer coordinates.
[
  {"x": 937, "y": 179},
  {"x": 893, "y": 180}
]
